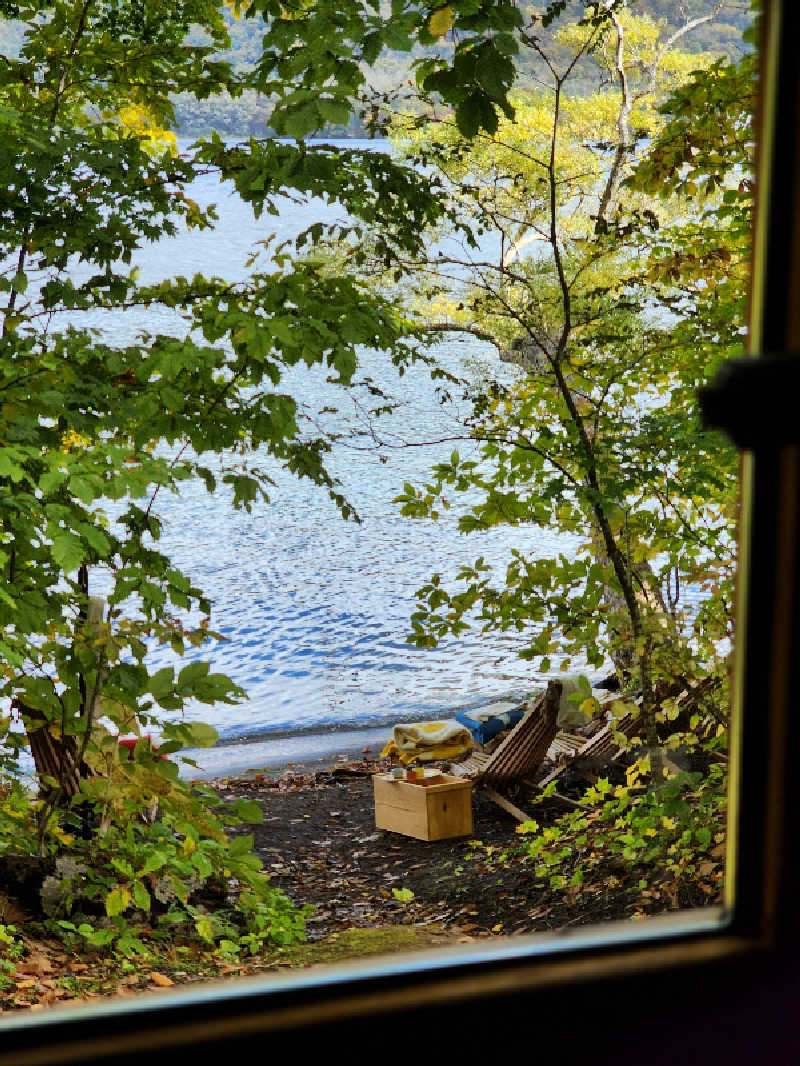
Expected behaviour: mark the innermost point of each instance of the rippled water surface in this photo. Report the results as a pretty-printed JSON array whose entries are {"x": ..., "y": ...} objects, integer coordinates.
[{"x": 315, "y": 610}]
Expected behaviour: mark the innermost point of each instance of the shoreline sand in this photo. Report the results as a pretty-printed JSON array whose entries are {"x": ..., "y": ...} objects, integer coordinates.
[{"x": 305, "y": 750}]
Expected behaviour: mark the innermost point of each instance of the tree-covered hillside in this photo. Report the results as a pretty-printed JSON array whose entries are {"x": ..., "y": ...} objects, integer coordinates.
[{"x": 247, "y": 113}]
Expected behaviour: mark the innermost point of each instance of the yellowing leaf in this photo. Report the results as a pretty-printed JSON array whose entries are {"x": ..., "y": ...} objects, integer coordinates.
[
  {"x": 441, "y": 21},
  {"x": 633, "y": 773},
  {"x": 204, "y": 928},
  {"x": 136, "y": 119},
  {"x": 619, "y": 708},
  {"x": 527, "y": 827},
  {"x": 117, "y": 900},
  {"x": 72, "y": 441}
]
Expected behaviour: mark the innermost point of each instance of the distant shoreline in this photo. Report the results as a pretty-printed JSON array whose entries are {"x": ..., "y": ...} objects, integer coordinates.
[{"x": 191, "y": 133}]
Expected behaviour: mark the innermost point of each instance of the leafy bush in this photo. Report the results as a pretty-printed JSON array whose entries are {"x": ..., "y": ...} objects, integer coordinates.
[
  {"x": 141, "y": 854},
  {"x": 667, "y": 824}
]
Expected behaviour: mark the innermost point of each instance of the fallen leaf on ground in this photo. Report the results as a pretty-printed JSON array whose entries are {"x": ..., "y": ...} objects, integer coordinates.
[
  {"x": 161, "y": 980},
  {"x": 706, "y": 868}
]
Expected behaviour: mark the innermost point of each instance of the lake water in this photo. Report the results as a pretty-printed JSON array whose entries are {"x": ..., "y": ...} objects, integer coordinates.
[{"x": 315, "y": 611}]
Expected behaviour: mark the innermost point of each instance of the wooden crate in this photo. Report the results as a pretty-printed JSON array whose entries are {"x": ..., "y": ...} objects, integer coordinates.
[{"x": 427, "y": 812}]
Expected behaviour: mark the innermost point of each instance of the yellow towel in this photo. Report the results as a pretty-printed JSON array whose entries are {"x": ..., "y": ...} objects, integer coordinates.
[{"x": 424, "y": 741}]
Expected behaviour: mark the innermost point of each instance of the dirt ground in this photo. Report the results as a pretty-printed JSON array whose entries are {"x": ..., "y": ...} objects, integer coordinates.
[
  {"x": 373, "y": 892},
  {"x": 319, "y": 844}
]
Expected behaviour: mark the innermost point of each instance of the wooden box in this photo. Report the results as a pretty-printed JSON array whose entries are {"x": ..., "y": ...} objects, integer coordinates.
[{"x": 427, "y": 812}]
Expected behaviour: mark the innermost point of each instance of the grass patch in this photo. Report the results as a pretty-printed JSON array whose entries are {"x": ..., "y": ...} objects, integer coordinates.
[{"x": 358, "y": 943}]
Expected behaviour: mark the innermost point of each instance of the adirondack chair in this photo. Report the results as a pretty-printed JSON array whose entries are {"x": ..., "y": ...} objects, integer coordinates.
[
  {"x": 602, "y": 748},
  {"x": 520, "y": 754}
]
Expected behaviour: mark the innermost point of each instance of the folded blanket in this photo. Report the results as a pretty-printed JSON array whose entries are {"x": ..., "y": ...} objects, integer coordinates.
[
  {"x": 424, "y": 741},
  {"x": 486, "y": 724}
]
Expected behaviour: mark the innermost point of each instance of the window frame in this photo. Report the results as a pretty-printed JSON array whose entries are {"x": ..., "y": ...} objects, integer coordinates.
[{"x": 719, "y": 983}]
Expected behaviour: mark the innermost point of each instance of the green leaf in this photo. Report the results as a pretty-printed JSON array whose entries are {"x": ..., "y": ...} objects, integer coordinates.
[
  {"x": 155, "y": 860},
  {"x": 162, "y": 682},
  {"x": 204, "y": 927},
  {"x": 141, "y": 897},
  {"x": 52, "y": 479},
  {"x": 201, "y": 863},
  {"x": 703, "y": 835},
  {"x": 336, "y": 112},
  {"x": 95, "y": 538},
  {"x": 100, "y": 938},
  {"x": 249, "y": 811},
  {"x": 200, "y": 735},
  {"x": 68, "y": 552},
  {"x": 191, "y": 674},
  {"x": 240, "y": 845},
  {"x": 300, "y": 120}
]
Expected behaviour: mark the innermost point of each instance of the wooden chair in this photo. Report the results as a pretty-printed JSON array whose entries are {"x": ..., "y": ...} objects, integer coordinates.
[
  {"x": 519, "y": 755},
  {"x": 595, "y": 752}
]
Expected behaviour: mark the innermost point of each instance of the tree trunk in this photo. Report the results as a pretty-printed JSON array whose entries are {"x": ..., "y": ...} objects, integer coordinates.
[
  {"x": 54, "y": 757},
  {"x": 59, "y": 757}
]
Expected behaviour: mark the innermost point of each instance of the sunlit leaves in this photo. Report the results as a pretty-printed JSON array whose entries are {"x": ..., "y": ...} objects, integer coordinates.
[{"x": 441, "y": 21}]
